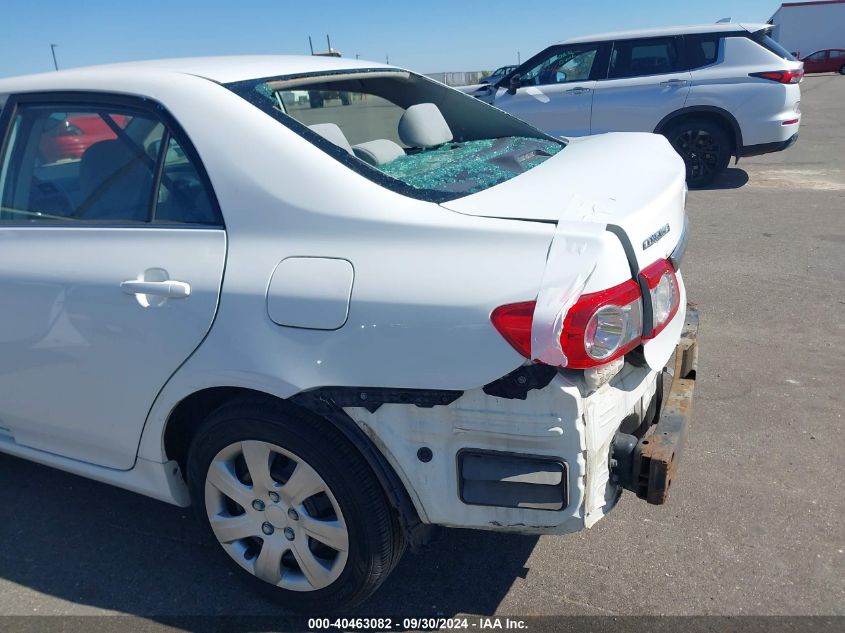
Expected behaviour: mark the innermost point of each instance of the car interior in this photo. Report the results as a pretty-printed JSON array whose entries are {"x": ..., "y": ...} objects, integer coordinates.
[{"x": 409, "y": 128}]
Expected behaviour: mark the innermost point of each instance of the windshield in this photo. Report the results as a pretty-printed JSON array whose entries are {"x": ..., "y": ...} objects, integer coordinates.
[{"x": 404, "y": 131}]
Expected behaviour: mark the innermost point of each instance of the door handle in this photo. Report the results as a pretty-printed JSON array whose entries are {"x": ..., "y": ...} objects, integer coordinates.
[
  {"x": 674, "y": 82},
  {"x": 169, "y": 289},
  {"x": 577, "y": 91}
]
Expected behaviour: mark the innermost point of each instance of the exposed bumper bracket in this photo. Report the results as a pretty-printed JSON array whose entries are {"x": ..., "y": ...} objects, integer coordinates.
[{"x": 647, "y": 466}]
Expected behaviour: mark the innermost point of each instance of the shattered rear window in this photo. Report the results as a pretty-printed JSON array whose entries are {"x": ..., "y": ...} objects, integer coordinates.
[
  {"x": 470, "y": 166},
  {"x": 339, "y": 110}
]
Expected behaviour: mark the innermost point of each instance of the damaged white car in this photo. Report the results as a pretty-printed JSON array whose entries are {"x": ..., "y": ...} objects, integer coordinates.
[{"x": 332, "y": 304}]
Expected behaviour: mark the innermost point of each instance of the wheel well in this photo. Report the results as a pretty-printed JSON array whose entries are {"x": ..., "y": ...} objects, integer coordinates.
[
  {"x": 190, "y": 413},
  {"x": 730, "y": 127}
]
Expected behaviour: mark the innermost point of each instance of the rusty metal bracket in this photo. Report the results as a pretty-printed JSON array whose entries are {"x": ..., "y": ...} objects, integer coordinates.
[{"x": 657, "y": 455}]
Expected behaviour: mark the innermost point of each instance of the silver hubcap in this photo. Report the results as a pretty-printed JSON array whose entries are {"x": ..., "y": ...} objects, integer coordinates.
[{"x": 275, "y": 516}]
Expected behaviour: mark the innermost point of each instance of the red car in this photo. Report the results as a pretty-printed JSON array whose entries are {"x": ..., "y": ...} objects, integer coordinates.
[
  {"x": 830, "y": 60},
  {"x": 76, "y": 133}
]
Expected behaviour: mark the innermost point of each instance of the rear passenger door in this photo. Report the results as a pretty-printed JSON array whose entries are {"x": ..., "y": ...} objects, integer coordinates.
[
  {"x": 646, "y": 80},
  {"x": 112, "y": 250}
]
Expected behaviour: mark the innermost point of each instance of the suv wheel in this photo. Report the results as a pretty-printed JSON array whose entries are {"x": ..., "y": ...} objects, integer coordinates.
[
  {"x": 293, "y": 505},
  {"x": 842, "y": 70},
  {"x": 705, "y": 148}
]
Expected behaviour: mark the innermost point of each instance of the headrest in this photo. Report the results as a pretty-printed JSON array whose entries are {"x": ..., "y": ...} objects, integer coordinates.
[
  {"x": 378, "y": 152},
  {"x": 332, "y": 133},
  {"x": 114, "y": 181},
  {"x": 423, "y": 125}
]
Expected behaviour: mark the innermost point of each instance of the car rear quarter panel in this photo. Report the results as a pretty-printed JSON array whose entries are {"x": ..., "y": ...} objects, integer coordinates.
[
  {"x": 758, "y": 105},
  {"x": 425, "y": 278}
]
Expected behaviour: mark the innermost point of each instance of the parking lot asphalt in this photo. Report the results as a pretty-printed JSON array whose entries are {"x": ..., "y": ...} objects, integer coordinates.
[{"x": 755, "y": 521}]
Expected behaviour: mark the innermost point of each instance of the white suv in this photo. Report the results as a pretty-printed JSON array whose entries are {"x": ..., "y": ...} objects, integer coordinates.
[
  {"x": 715, "y": 91},
  {"x": 333, "y": 303}
]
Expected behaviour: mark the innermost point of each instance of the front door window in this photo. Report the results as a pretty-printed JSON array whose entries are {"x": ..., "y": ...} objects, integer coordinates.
[{"x": 567, "y": 65}]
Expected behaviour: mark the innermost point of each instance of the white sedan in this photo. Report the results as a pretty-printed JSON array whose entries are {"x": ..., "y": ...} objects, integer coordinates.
[{"x": 333, "y": 304}]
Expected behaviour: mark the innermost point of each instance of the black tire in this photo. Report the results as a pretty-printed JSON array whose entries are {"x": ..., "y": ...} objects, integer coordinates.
[
  {"x": 705, "y": 147},
  {"x": 375, "y": 539},
  {"x": 842, "y": 70}
]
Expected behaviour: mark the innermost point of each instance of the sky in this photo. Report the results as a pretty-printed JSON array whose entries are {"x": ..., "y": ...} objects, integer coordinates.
[{"x": 425, "y": 36}]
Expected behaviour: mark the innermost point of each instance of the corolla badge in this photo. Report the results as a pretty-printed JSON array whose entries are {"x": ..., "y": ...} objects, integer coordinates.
[{"x": 655, "y": 237}]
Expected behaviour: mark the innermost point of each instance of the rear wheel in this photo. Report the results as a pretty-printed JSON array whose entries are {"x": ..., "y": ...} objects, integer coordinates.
[
  {"x": 293, "y": 505},
  {"x": 704, "y": 146},
  {"x": 842, "y": 70}
]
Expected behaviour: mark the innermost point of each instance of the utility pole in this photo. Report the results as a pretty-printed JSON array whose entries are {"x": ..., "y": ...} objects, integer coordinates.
[
  {"x": 311, "y": 45},
  {"x": 518, "y": 59},
  {"x": 53, "y": 50},
  {"x": 386, "y": 58}
]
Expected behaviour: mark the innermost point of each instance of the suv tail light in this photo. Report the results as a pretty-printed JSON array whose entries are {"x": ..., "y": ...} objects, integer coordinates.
[
  {"x": 601, "y": 326},
  {"x": 781, "y": 76},
  {"x": 664, "y": 294}
]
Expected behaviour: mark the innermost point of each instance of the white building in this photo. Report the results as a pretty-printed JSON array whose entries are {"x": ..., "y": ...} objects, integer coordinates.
[{"x": 805, "y": 27}]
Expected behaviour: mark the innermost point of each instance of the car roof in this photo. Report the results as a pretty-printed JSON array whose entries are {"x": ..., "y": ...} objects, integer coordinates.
[
  {"x": 218, "y": 69},
  {"x": 670, "y": 30}
]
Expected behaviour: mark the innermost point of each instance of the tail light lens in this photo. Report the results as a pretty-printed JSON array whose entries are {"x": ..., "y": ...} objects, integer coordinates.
[
  {"x": 513, "y": 321},
  {"x": 781, "y": 76},
  {"x": 664, "y": 294},
  {"x": 601, "y": 326}
]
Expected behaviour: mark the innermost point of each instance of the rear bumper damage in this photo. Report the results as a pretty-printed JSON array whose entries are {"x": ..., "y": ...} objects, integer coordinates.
[
  {"x": 647, "y": 465},
  {"x": 548, "y": 460}
]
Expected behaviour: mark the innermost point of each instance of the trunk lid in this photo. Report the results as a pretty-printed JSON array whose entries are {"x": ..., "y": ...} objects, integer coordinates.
[
  {"x": 631, "y": 184},
  {"x": 630, "y": 180}
]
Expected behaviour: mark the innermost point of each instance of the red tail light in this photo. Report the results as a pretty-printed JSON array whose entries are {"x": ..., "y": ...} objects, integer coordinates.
[
  {"x": 600, "y": 326},
  {"x": 513, "y": 321},
  {"x": 664, "y": 294},
  {"x": 781, "y": 76}
]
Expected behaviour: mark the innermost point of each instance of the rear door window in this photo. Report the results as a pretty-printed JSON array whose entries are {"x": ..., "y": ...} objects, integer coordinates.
[
  {"x": 643, "y": 57},
  {"x": 79, "y": 164},
  {"x": 101, "y": 165},
  {"x": 183, "y": 197},
  {"x": 702, "y": 50}
]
